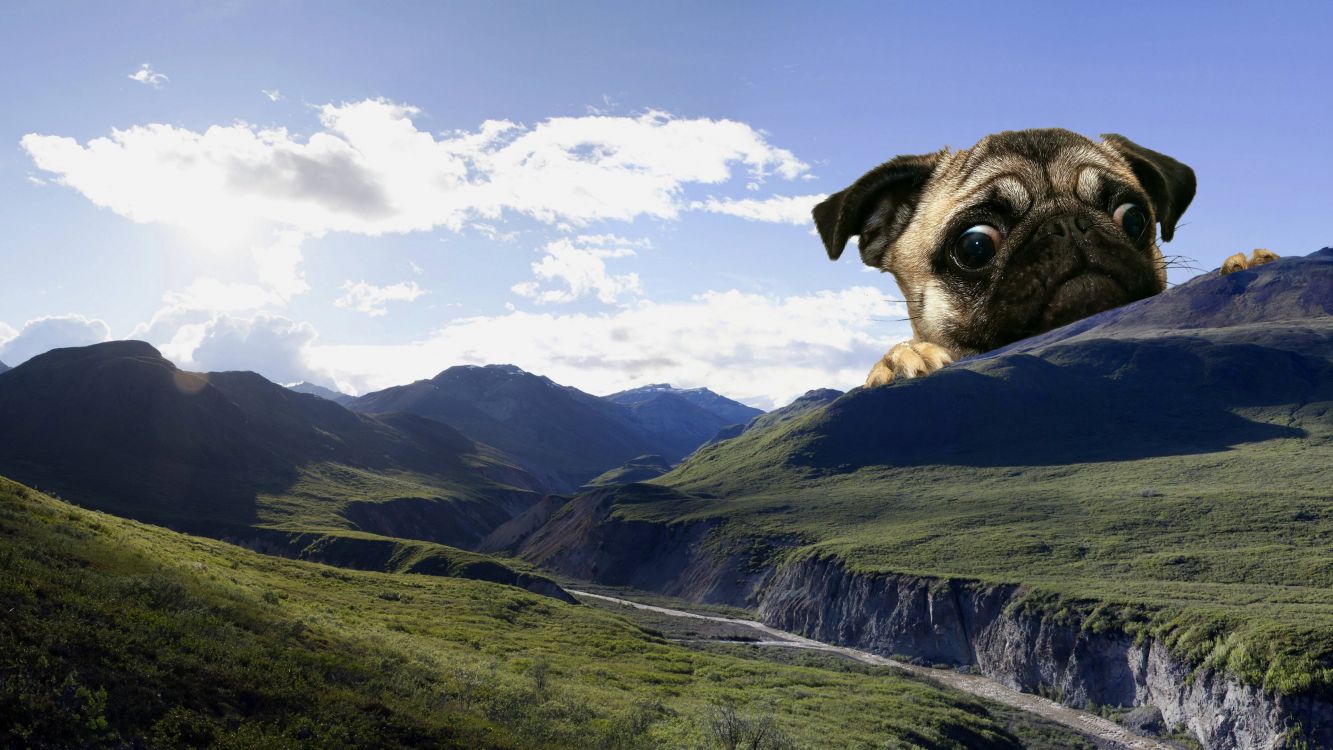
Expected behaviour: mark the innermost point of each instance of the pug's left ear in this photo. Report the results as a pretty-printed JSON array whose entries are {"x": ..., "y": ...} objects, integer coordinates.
[
  {"x": 1169, "y": 183},
  {"x": 844, "y": 214}
]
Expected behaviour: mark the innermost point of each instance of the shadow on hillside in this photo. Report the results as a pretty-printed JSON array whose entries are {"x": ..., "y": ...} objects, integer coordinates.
[{"x": 1104, "y": 400}]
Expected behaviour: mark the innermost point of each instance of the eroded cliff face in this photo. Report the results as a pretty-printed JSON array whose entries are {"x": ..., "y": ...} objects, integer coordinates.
[
  {"x": 967, "y": 623},
  {"x": 927, "y": 620},
  {"x": 586, "y": 540}
]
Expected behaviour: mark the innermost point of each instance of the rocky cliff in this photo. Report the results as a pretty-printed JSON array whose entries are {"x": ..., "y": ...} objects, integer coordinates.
[
  {"x": 986, "y": 626},
  {"x": 960, "y": 623}
]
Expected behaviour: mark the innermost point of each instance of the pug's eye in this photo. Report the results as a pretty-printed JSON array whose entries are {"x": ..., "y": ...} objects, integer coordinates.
[
  {"x": 1132, "y": 219},
  {"x": 975, "y": 248}
]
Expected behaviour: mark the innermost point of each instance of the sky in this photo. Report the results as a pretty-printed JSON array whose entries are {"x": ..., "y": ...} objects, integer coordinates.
[{"x": 610, "y": 194}]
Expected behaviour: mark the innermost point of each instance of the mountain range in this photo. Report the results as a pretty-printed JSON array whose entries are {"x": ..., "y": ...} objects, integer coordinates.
[
  {"x": 562, "y": 435},
  {"x": 3, "y": 367},
  {"x": 118, "y": 428}
]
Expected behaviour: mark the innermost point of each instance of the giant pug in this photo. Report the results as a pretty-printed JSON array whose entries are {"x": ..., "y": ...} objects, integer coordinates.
[{"x": 1026, "y": 231}]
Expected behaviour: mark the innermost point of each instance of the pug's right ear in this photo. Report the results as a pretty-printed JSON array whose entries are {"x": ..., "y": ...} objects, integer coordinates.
[{"x": 844, "y": 214}]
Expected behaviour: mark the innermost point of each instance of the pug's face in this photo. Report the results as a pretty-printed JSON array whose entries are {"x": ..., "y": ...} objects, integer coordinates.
[{"x": 1024, "y": 232}]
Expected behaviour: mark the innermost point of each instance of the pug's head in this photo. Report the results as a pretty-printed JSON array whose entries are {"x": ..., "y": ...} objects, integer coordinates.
[{"x": 1024, "y": 232}]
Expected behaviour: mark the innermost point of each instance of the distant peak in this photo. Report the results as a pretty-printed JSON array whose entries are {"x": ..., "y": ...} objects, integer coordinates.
[{"x": 511, "y": 370}]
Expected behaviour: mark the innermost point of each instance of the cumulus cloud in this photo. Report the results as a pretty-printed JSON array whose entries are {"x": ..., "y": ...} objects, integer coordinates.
[
  {"x": 762, "y": 349},
  {"x": 778, "y": 209},
  {"x": 149, "y": 77},
  {"x": 370, "y": 170},
  {"x": 272, "y": 345},
  {"x": 578, "y": 266},
  {"x": 371, "y": 299},
  {"x": 53, "y": 332}
]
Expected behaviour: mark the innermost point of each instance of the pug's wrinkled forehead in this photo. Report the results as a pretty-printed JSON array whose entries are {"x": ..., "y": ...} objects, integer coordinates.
[
  {"x": 1028, "y": 169},
  {"x": 1027, "y": 173}
]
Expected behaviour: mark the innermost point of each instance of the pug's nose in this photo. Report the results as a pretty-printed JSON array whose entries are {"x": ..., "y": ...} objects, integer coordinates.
[{"x": 1073, "y": 227}]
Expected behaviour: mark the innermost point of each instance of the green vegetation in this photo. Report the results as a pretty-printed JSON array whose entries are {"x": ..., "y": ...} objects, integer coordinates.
[
  {"x": 320, "y": 495},
  {"x": 117, "y": 633},
  {"x": 1227, "y": 556},
  {"x": 639, "y": 469}
]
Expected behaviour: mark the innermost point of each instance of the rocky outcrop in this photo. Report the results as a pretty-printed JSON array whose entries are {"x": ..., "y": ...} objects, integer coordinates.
[{"x": 967, "y": 623}]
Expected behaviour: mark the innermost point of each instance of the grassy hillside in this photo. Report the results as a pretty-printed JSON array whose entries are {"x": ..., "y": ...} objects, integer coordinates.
[
  {"x": 1166, "y": 467},
  {"x": 119, "y": 633},
  {"x": 639, "y": 469}
]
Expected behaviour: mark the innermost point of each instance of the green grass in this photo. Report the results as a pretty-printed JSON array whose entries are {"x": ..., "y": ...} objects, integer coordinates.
[
  {"x": 322, "y": 492},
  {"x": 1227, "y": 556},
  {"x": 117, "y": 633}
]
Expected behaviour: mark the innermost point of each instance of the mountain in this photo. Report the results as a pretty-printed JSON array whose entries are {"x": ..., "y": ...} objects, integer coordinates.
[
  {"x": 730, "y": 412},
  {"x": 4, "y": 367},
  {"x": 117, "y": 427},
  {"x": 319, "y": 390},
  {"x": 561, "y": 434},
  {"x": 808, "y": 401},
  {"x": 682, "y": 419},
  {"x": 1132, "y": 510}
]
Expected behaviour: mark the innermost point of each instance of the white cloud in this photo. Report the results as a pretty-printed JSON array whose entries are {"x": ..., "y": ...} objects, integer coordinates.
[
  {"x": 370, "y": 170},
  {"x": 7, "y": 332},
  {"x": 274, "y": 95},
  {"x": 765, "y": 350},
  {"x": 779, "y": 209},
  {"x": 279, "y": 265},
  {"x": 53, "y": 332},
  {"x": 279, "y": 279},
  {"x": 274, "y": 346},
  {"x": 149, "y": 77},
  {"x": 579, "y": 266},
  {"x": 493, "y": 233},
  {"x": 371, "y": 299}
]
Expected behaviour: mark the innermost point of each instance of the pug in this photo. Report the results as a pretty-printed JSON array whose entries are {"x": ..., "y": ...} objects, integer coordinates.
[{"x": 1026, "y": 231}]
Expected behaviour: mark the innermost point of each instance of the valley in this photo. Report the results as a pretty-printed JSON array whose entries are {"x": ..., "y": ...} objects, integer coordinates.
[{"x": 1117, "y": 534}]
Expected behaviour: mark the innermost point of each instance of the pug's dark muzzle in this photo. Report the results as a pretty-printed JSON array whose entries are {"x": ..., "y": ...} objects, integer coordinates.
[{"x": 1073, "y": 266}]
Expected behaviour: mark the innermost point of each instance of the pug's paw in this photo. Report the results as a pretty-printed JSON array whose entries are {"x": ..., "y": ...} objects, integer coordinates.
[
  {"x": 908, "y": 360},
  {"x": 1239, "y": 262},
  {"x": 1261, "y": 256}
]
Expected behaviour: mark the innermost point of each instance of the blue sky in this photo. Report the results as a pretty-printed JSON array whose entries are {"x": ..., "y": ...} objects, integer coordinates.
[{"x": 338, "y": 251}]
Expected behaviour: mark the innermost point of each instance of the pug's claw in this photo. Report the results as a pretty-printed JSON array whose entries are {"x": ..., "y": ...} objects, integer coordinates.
[
  {"x": 1261, "y": 256},
  {"x": 1237, "y": 262},
  {"x": 909, "y": 359}
]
